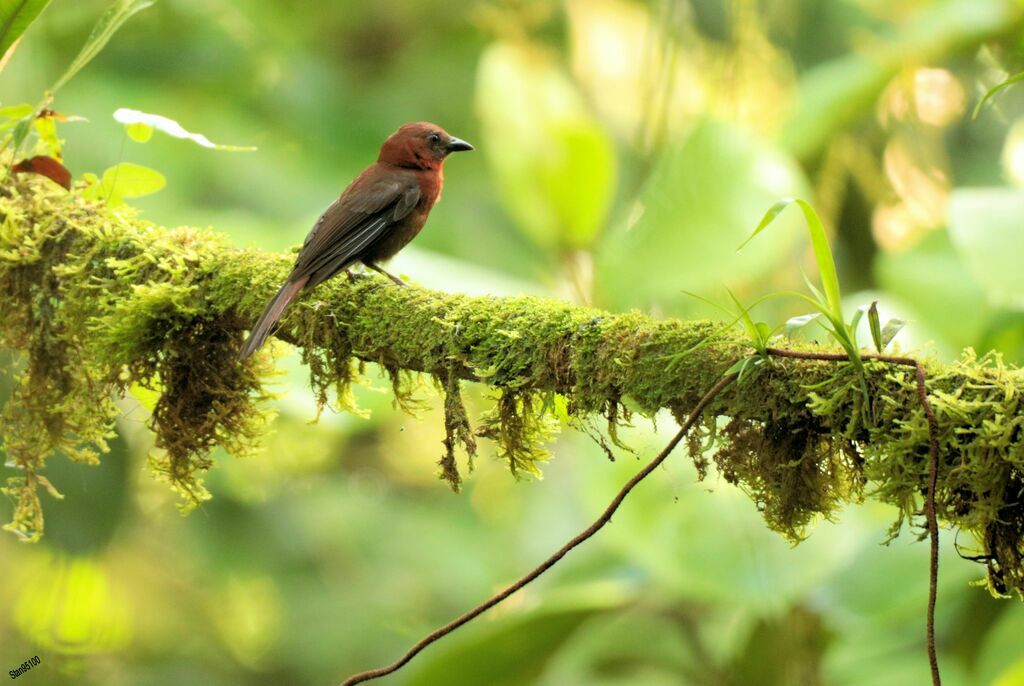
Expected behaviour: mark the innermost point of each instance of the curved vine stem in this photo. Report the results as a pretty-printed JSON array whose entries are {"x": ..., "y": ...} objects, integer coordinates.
[
  {"x": 694, "y": 416},
  {"x": 598, "y": 524},
  {"x": 933, "y": 476}
]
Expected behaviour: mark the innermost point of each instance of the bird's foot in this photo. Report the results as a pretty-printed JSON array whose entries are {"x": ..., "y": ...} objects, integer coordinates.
[{"x": 391, "y": 276}]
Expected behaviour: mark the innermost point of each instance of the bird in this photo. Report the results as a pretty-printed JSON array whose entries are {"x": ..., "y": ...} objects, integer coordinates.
[{"x": 374, "y": 217}]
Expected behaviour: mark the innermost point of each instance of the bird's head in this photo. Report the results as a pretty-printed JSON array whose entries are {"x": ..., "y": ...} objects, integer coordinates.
[{"x": 420, "y": 145}]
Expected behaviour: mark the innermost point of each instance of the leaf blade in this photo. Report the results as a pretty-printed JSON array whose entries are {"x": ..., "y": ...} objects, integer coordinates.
[
  {"x": 14, "y": 20},
  {"x": 117, "y": 14}
]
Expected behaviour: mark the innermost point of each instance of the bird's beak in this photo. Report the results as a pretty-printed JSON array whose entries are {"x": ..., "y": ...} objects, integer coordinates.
[{"x": 458, "y": 145}]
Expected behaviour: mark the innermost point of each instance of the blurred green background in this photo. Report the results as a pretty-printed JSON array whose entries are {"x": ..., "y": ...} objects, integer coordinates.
[{"x": 624, "y": 150}]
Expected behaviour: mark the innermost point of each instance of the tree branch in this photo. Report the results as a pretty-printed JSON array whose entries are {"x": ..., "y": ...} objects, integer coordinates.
[{"x": 99, "y": 302}]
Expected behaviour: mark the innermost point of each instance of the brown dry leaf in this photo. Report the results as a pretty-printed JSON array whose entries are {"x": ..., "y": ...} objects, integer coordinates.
[{"x": 45, "y": 166}]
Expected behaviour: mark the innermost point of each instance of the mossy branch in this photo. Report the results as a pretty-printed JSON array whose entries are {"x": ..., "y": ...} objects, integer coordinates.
[{"x": 99, "y": 301}]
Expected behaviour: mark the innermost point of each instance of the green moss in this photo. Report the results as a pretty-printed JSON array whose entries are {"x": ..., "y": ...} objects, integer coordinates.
[{"x": 97, "y": 302}]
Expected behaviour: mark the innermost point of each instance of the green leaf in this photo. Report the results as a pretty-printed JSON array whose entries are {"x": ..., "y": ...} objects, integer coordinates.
[
  {"x": 739, "y": 366},
  {"x": 21, "y": 131},
  {"x": 46, "y": 127},
  {"x": 835, "y": 94},
  {"x": 889, "y": 331},
  {"x": 984, "y": 226},
  {"x": 822, "y": 250},
  {"x": 514, "y": 649},
  {"x": 745, "y": 319},
  {"x": 15, "y": 17},
  {"x": 140, "y": 126},
  {"x": 124, "y": 180},
  {"x": 857, "y": 316},
  {"x": 1016, "y": 78},
  {"x": 937, "y": 288},
  {"x": 764, "y": 333},
  {"x": 553, "y": 163},
  {"x": 703, "y": 195},
  {"x": 875, "y": 326},
  {"x": 16, "y": 111},
  {"x": 117, "y": 14},
  {"x": 140, "y": 133}
]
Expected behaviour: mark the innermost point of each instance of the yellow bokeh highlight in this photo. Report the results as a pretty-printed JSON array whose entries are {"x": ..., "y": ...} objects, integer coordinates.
[{"x": 66, "y": 605}]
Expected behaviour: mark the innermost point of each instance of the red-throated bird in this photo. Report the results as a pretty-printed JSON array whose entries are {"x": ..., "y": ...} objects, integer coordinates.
[{"x": 375, "y": 217}]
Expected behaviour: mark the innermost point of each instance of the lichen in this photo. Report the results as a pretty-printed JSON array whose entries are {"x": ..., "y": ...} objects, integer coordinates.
[{"x": 98, "y": 302}]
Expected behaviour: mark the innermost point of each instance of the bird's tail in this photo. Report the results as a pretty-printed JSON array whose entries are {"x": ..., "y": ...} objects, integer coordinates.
[{"x": 289, "y": 291}]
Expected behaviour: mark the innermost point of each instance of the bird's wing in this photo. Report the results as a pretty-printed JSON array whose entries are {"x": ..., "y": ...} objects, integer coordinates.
[{"x": 353, "y": 222}]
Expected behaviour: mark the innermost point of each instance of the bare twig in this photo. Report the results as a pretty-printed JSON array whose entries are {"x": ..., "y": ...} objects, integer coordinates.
[
  {"x": 933, "y": 475},
  {"x": 598, "y": 524}
]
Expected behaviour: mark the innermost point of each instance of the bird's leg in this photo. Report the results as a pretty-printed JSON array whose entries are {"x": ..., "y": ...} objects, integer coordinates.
[{"x": 391, "y": 276}]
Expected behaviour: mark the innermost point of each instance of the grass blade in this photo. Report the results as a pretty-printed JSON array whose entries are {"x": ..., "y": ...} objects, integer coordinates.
[
  {"x": 15, "y": 17},
  {"x": 117, "y": 14},
  {"x": 1016, "y": 78},
  {"x": 819, "y": 242}
]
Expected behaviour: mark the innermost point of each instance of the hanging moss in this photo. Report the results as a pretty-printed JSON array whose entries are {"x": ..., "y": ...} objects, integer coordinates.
[{"x": 98, "y": 302}]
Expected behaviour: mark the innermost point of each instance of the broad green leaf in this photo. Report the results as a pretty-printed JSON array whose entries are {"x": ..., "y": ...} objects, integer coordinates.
[
  {"x": 117, "y": 14},
  {"x": 15, "y": 16},
  {"x": 875, "y": 326},
  {"x": 834, "y": 94},
  {"x": 140, "y": 126},
  {"x": 553, "y": 163},
  {"x": 935, "y": 284},
  {"x": 984, "y": 225},
  {"x": 1000, "y": 655},
  {"x": 703, "y": 195},
  {"x": 1016, "y": 78},
  {"x": 513, "y": 650},
  {"x": 124, "y": 180},
  {"x": 822, "y": 250}
]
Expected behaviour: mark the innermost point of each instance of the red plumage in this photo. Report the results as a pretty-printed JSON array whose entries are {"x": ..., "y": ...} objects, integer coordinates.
[{"x": 375, "y": 217}]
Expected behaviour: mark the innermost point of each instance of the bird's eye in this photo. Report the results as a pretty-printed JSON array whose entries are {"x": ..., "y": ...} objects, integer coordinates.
[{"x": 434, "y": 138}]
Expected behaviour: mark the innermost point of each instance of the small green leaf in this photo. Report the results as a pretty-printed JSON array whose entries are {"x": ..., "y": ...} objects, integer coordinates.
[
  {"x": 15, "y": 17},
  {"x": 875, "y": 326},
  {"x": 21, "y": 132},
  {"x": 138, "y": 132},
  {"x": 124, "y": 180},
  {"x": 889, "y": 331},
  {"x": 117, "y": 14},
  {"x": 738, "y": 366},
  {"x": 16, "y": 111},
  {"x": 46, "y": 127},
  {"x": 764, "y": 333},
  {"x": 857, "y": 316},
  {"x": 144, "y": 124},
  {"x": 1016, "y": 78}
]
